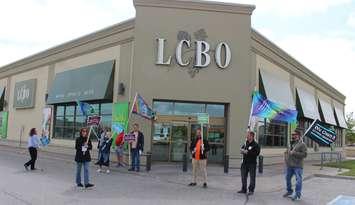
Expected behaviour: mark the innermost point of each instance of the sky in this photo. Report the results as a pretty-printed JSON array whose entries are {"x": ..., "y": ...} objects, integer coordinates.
[{"x": 318, "y": 33}]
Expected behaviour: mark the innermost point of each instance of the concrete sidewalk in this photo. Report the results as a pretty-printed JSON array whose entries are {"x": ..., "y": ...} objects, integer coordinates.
[{"x": 271, "y": 180}]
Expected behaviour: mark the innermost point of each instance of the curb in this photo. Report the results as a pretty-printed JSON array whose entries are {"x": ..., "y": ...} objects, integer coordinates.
[{"x": 334, "y": 177}]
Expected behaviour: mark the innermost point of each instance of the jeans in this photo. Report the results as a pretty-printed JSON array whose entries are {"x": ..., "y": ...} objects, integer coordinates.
[
  {"x": 135, "y": 159},
  {"x": 245, "y": 169},
  {"x": 298, "y": 172},
  {"x": 86, "y": 172},
  {"x": 33, "y": 154}
]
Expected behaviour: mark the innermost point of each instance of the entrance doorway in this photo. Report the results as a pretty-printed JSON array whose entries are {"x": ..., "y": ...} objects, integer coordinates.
[{"x": 173, "y": 136}]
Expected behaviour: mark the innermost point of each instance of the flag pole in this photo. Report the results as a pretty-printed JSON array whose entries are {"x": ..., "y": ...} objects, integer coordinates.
[{"x": 129, "y": 117}]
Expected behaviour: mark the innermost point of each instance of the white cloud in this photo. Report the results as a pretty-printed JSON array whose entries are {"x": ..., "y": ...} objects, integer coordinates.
[
  {"x": 288, "y": 8},
  {"x": 351, "y": 20},
  {"x": 46, "y": 23},
  {"x": 331, "y": 58}
]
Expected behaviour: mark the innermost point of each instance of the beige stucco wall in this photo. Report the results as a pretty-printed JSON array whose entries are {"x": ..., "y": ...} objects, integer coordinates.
[
  {"x": 232, "y": 85},
  {"x": 28, "y": 117}
]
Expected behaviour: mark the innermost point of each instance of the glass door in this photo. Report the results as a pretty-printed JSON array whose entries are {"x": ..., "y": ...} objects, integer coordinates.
[
  {"x": 179, "y": 141},
  {"x": 161, "y": 141}
]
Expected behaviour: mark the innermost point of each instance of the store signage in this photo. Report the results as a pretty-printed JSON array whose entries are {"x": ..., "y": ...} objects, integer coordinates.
[
  {"x": 203, "y": 118},
  {"x": 202, "y": 54},
  {"x": 25, "y": 93},
  {"x": 129, "y": 137},
  {"x": 93, "y": 120}
]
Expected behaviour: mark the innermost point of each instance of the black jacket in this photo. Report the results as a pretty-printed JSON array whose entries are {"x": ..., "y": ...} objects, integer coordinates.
[
  {"x": 80, "y": 156},
  {"x": 140, "y": 142},
  {"x": 253, "y": 152},
  {"x": 202, "y": 154}
]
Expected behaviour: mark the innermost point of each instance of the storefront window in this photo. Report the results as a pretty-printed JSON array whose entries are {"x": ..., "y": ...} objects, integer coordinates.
[
  {"x": 303, "y": 125},
  {"x": 106, "y": 108},
  {"x": 188, "y": 108},
  {"x": 163, "y": 108},
  {"x": 215, "y": 110},
  {"x": 273, "y": 134},
  {"x": 216, "y": 141},
  {"x": 339, "y": 140},
  {"x": 69, "y": 120}
]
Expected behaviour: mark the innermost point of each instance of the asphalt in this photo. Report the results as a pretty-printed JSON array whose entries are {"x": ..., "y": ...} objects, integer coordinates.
[{"x": 54, "y": 184}]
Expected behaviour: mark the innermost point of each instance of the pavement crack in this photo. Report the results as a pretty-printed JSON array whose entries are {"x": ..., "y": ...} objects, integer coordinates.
[{"x": 16, "y": 196}]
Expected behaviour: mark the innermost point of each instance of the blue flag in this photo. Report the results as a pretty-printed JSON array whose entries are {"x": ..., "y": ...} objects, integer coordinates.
[{"x": 85, "y": 108}]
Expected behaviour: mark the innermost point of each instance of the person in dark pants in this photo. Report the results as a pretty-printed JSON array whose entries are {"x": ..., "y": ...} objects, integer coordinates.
[
  {"x": 33, "y": 144},
  {"x": 136, "y": 147},
  {"x": 82, "y": 157},
  {"x": 250, "y": 151}
]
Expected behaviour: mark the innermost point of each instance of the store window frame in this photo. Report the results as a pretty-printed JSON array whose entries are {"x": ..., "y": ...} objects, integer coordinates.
[{"x": 77, "y": 113}]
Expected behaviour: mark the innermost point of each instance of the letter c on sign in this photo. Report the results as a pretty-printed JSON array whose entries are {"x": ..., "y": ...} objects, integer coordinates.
[
  {"x": 179, "y": 52},
  {"x": 218, "y": 55}
]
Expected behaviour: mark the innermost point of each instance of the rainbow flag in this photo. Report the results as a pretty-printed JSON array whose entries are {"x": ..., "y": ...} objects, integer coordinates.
[
  {"x": 141, "y": 108},
  {"x": 264, "y": 108}
]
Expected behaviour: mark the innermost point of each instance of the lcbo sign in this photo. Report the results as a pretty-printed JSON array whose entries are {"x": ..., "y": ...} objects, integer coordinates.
[{"x": 202, "y": 49}]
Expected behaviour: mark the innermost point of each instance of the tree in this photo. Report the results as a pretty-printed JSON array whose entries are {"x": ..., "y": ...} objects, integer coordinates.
[{"x": 350, "y": 132}]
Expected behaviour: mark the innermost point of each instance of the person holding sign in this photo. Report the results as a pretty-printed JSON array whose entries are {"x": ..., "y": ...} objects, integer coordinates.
[
  {"x": 250, "y": 151},
  {"x": 199, "y": 149},
  {"x": 82, "y": 157},
  {"x": 105, "y": 149},
  {"x": 294, "y": 157},
  {"x": 136, "y": 147}
]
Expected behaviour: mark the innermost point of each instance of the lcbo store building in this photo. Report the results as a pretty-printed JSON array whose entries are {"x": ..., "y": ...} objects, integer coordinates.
[{"x": 184, "y": 58}]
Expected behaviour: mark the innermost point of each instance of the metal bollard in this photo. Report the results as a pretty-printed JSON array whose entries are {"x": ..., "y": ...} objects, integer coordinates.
[
  {"x": 226, "y": 163},
  {"x": 184, "y": 162},
  {"x": 261, "y": 164},
  {"x": 149, "y": 161}
]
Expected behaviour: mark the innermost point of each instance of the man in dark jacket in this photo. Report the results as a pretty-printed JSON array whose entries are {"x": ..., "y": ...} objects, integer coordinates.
[
  {"x": 136, "y": 148},
  {"x": 199, "y": 151},
  {"x": 250, "y": 151},
  {"x": 294, "y": 157},
  {"x": 82, "y": 157}
]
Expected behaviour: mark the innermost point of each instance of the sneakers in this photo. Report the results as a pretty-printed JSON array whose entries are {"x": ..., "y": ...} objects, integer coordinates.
[
  {"x": 88, "y": 185},
  {"x": 192, "y": 184},
  {"x": 98, "y": 170},
  {"x": 26, "y": 167},
  {"x": 250, "y": 193},
  {"x": 295, "y": 197},
  {"x": 287, "y": 194},
  {"x": 80, "y": 185},
  {"x": 204, "y": 185},
  {"x": 242, "y": 192},
  {"x": 108, "y": 171},
  {"x": 131, "y": 169}
]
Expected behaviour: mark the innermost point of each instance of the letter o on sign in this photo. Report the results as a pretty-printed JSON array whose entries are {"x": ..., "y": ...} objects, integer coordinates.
[{"x": 227, "y": 55}]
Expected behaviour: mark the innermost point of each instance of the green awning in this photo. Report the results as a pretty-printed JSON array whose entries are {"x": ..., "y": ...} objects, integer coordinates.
[{"x": 93, "y": 82}]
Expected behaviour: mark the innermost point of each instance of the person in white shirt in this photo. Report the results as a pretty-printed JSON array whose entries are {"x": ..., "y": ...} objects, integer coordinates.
[{"x": 33, "y": 144}]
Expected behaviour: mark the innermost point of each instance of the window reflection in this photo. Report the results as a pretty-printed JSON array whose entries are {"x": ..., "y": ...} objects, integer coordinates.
[
  {"x": 69, "y": 119},
  {"x": 215, "y": 110},
  {"x": 188, "y": 108},
  {"x": 163, "y": 108}
]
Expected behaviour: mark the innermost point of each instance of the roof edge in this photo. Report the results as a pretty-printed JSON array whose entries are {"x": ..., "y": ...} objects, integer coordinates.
[
  {"x": 198, "y": 5},
  {"x": 283, "y": 54}
]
